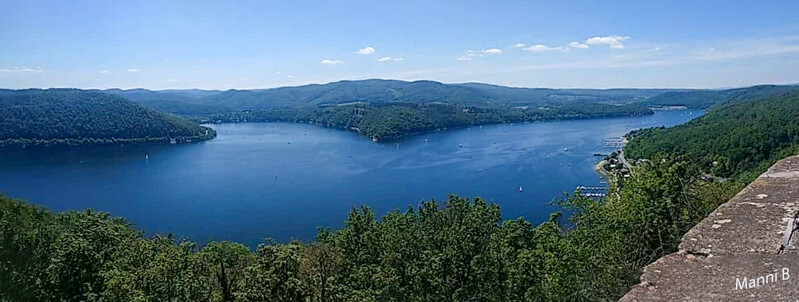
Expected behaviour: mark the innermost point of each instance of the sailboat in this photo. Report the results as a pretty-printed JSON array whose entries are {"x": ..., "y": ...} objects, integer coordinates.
[{"x": 520, "y": 188}]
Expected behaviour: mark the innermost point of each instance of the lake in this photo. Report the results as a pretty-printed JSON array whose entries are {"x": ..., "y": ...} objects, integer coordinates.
[{"x": 283, "y": 180}]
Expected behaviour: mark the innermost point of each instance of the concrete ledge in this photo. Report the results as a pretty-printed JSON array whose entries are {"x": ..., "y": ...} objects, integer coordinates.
[
  {"x": 741, "y": 238},
  {"x": 685, "y": 277}
]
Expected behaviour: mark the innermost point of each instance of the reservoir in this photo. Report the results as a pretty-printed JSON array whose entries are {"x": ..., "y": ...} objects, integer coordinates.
[{"x": 283, "y": 180}]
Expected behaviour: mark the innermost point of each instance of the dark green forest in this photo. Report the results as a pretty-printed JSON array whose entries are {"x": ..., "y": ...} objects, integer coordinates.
[
  {"x": 455, "y": 250},
  {"x": 379, "y": 109},
  {"x": 458, "y": 249},
  {"x": 50, "y": 117},
  {"x": 396, "y": 120},
  {"x": 732, "y": 138},
  {"x": 376, "y": 91}
]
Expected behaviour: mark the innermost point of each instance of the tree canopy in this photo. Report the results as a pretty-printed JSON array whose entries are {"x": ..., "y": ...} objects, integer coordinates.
[
  {"x": 76, "y": 117},
  {"x": 732, "y": 138}
]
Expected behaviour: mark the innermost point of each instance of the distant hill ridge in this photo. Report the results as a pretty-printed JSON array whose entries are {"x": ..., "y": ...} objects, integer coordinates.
[{"x": 198, "y": 102}]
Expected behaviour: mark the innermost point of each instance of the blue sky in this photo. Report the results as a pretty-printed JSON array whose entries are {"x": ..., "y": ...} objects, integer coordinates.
[{"x": 262, "y": 44}]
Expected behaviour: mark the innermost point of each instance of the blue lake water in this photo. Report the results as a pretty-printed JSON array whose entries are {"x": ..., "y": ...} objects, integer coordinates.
[{"x": 283, "y": 180}]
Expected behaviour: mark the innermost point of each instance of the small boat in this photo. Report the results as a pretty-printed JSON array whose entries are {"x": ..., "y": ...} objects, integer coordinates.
[
  {"x": 460, "y": 145},
  {"x": 565, "y": 149},
  {"x": 520, "y": 188},
  {"x": 147, "y": 156},
  {"x": 425, "y": 140}
]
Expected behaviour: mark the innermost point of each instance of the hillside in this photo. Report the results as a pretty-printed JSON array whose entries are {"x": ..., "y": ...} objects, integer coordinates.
[
  {"x": 699, "y": 99},
  {"x": 392, "y": 121},
  {"x": 172, "y": 101},
  {"x": 746, "y": 131},
  {"x": 200, "y": 103},
  {"x": 385, "y": 91},
  {"x": 78, "y": 117}
]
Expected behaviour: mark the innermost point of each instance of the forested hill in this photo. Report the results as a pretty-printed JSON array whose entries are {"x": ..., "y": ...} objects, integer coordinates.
[
  {"x": 36, "y": 117},
  {"x": 377, "y": 91},
  {"x": 701, "y": 99},
  {"x": 197, "y": 102},
  {"x": 746, "y": 132}
]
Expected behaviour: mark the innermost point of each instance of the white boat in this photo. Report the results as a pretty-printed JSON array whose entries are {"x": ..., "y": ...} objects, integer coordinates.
[
  {"x": 520, "y": 188},
  {"x": 565, "y": 149}
]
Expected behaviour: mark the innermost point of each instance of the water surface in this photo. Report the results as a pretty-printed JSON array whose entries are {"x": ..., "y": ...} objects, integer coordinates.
[{"x": 283, "y": 180}]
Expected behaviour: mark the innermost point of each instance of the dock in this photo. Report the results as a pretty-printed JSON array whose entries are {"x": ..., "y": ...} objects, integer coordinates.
[{"x": 589, "y": 191}]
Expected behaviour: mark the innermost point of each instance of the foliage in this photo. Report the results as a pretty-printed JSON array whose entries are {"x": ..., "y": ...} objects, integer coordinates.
[
  {"x": 697, "y": 99},
  {"x": 397, "y": 120},
  {"x": 378, "y": 92},
  {"x": 77, "y": 117},
  {"x": 733, "y": 138},
  {"x": 458, "y": 250}
]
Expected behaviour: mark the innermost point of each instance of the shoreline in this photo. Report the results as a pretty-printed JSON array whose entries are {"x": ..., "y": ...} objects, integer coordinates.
[{"x": 599, "y": 168}]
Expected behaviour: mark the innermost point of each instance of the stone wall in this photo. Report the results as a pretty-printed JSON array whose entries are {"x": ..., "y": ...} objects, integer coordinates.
[{"x": 743, "y": 238}]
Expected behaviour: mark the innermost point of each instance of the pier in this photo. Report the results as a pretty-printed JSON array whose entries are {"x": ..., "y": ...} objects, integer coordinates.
[{"x": 589, "y": 191}]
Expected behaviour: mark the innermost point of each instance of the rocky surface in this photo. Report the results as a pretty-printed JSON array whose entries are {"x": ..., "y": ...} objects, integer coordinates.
[{"x": 743, "y": 238}]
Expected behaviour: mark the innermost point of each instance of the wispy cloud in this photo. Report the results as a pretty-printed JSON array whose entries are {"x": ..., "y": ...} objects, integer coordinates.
[
  {"x": 386, "y": 59},
  {"x": 21, "y": 69},
  {"x": 614, "y": 41},
  {"x": 332, "y": 62},
  {"x": 671, "y": 56},
  {"x": 470, "y": 55},
  {"x": 492, "y": 51},
  {"x": 578, "y": 45},
  {"x": 104, "y": 71},
  {"x": 520, "y": 45},
  {"x": 366, "y": 51},
  {"x": 133, "y": 70},
  {"x": 542, "y": 47}
]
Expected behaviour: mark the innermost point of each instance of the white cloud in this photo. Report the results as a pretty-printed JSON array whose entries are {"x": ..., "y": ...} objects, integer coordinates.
[
  {"x": 366, "y": 51},
  {"x": 21, "y": 69},
  {"x": 492, "y": 51},
  {"x": 579, "y": 45},
  {"x": 470, "y": 54},
  {"x": 520, "y": 45},
  {"x": 133, "y": 70},
  {"x": 541, "y": 47},
  {"x": 386, "y": 59},
  {"x": 611, "y": 41},
  {"x": 332, "y": 62},
  {"x": 104, "y": 71},
  {"x": 172, "y": 81}
]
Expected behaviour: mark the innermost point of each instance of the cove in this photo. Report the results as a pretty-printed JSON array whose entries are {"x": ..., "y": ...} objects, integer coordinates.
[{"x": 282, "y": 180}]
